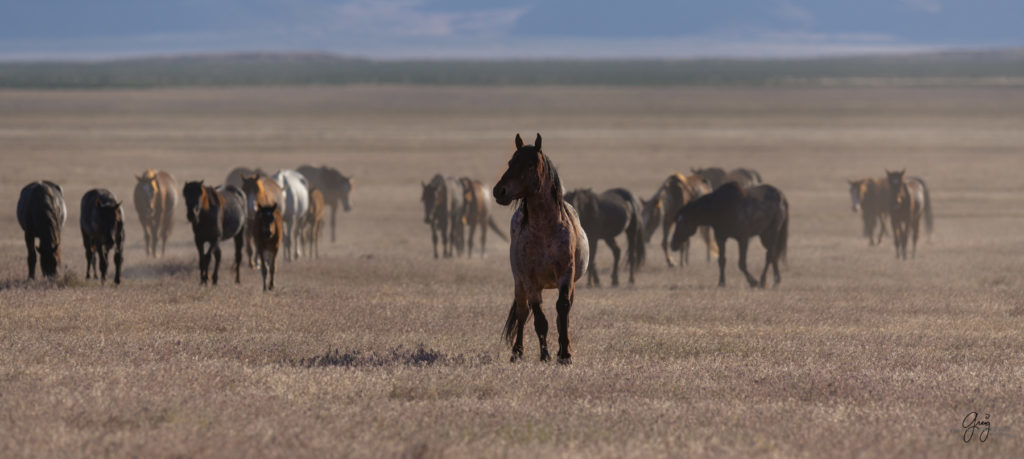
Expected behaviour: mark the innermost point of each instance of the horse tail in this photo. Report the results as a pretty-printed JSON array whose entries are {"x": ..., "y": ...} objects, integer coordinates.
[
  {"x": 494, "y": 226},
  {"x": 929, "y": 220},
  {"x": 512, "y": 324},
  {"x": 635, "y": 232}
]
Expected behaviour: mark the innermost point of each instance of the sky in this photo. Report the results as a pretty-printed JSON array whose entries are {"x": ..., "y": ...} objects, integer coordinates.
[{"x": 397, "y": 29}]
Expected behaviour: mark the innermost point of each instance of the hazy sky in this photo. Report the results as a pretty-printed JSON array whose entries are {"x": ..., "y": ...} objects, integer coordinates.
[{"x": 503, "y": 28}]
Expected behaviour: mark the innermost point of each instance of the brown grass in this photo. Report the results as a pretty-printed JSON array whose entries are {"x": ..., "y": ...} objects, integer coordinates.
[{"x": 379, "y": 350}]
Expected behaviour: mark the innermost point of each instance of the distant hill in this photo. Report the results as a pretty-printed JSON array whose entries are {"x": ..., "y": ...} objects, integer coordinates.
[{"x": 998, "y": 67}]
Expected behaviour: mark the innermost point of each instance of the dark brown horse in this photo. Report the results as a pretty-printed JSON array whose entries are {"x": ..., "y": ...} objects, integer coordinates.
[
  {"x": 216, "y": 215},
  {"x": 267, "y": 237},
  {"x": 102, "y": 225},
  {"x": 334, "y": 186},
  {"x": 259, "y": 190},
  {"x": 675, "y": 192},
  {"x": 41, "y": 214},
  {"x": 740, "y": 213},
  {"x": 155, "y": 197},
  {"x": 314, "y": 221},
  {"x": 444, "y": 208},
  {"x": 604, "y": 216},
  {"x": 871, "y": 197},
  {"x": 548, "y": 249},
  {"x": 909, "y": 201},
  {"x": 477, "y": 200}
]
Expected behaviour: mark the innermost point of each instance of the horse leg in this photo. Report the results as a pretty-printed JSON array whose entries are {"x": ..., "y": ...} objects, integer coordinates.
[
  {"x": 239, "y": 240},
  {"x": 916, "y": 229},
  {"x": 616, "y": 252},
  {"x": 769, "y": 256},
  {"x": 118, "y": 260},
  {"x": 469, "y": 240},
  {"x": 744, "y": 244},
  {"x": 204, "y": 261},
  {"x": 263, "y": 267},
  {"x": 896, "y": 236},
  {"x": 215, "y": 248},
  {"x": 103, "y": 252},
  {"x": 30, "y": 244},
  {"x": 334, "y": 220},
  {"x": 433, "y": 237},
  {"x": 88, "y": 255},
  {"x": 254, "y": 258},
  {"x": 721, "y": 260},
  {"x": 592, "y": 278},
  {"x": 445, "y": 249},
  {"x": 540, "y": 325},
  {"x": 664, "y": 243},
  {"x": 483, "y": 236},
  {"x": 521, "y": 309},
  {"x": 273, "y": 267},
  {"x": 564, "y": 304}
]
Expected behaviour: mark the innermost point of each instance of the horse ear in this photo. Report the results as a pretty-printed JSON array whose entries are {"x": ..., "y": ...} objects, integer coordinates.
[
  {"x": 536, "y": 143},
  {"x": 201, "y": 182},
  {"x": 904, "y": 171},
  {"x": 138, "y": 178},
  {"x": 118, "y": 204},
  {"x": 424, "y": 185},
  {"x": 519, "y": 141}
]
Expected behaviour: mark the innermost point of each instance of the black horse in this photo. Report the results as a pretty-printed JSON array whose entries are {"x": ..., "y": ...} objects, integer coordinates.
[
  {"x": 102, "y": 226},
  {"x": 605, "y": 216},
  {"x": 216, "y": 215},
  {"x": 333, "y": 185},
  {"x": 444, "y": 208},
  {"x": 41, "y": 214},
  {"x": 738, "y": 213}
]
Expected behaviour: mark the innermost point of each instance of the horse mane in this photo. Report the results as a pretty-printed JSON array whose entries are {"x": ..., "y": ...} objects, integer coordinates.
[
  {"x": 149, "y": 174},
  {"x": 550, "y": 175}
]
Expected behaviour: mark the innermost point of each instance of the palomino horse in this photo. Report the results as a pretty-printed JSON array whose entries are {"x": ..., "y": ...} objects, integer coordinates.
[
  {"x": 605, "y": 216},
  {"x": 296, "y": 204},
  {"x": 909, "y": 200},
  {"x": 675, "y": 192},
  {"x": 477, "y": 200},
  {"x": 548, "y": 249},
  {"x": 871, "y": 197},
  {"x": 155, "y": 197},
  {"x": 314, "y": 222},
  {"x": 267, "y": 238},
  {"x": 259, "y": 191},
  {"x": 444, "y": 208},
  {"x": 334, "y": 186},
  {"x": 102, "y": 226},
  {"x": 41, "y": 214},
  {"x": 216, "y": 215},
  {"x": 740, "y": 213}
]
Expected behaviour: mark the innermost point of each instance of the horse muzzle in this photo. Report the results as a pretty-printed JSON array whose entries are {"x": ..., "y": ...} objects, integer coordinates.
[{"x": 501, "y": 195}]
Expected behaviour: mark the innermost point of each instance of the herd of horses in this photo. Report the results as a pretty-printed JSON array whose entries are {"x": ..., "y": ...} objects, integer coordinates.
[
  {"x": 553, "y": 234},
  {"x": 905, "y": 200},
  {"x": 260, "y": 212}
]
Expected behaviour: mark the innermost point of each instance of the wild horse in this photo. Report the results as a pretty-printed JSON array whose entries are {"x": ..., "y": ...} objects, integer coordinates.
[
  {"x": 548, "y": 247},
  {"x": 216, "y": 214},
  {"x": 605, "y": 216}
]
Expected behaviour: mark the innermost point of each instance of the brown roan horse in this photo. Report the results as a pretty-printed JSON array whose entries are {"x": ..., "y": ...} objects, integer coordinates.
[
  {"x": 908, "y": 202},
  {"x": 548, "y": 248},
  {"x": 871, "y": 197},
  {"x": 675, "y": 192},
  {"x": 155, "y": 197}
]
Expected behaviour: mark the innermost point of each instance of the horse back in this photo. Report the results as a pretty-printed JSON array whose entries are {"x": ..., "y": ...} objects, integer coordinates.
[
  {"x": 232, "y": 210},
  {"x": 42, "y": 210}
]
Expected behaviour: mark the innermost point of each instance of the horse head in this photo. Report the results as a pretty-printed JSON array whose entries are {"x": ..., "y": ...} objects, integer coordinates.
[
  {"x": 857, "y": 189},
  {"x": 895, "y": 181},
  {"x": 267, "y": 216},
  {"x": 651, "y": 214},
  {"x": 110, "y": 217},
  {"x": 146, "y": 191},
  {"x": 529, "y": 171},
  {"x": 195, "y": 200},
  {"x": 431, "y": 198},
  {"x": 685, "y": 228}
]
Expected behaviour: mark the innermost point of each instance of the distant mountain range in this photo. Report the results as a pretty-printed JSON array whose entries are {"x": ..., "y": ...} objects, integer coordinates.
[{"x": 995, "y": 67}]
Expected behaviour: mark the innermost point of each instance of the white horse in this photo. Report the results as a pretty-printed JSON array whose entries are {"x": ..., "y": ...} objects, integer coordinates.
[{"x": 295, "y": 188}]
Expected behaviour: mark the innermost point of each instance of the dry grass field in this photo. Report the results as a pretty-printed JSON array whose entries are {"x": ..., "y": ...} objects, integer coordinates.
[{"x": 376, "y": 349}]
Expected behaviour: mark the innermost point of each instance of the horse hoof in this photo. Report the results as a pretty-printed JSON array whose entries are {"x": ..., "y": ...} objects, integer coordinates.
[
  {"x": 544, "y": 356},
  {"x": 565, "y": 360},
  {"x": 514, "y": 359}
]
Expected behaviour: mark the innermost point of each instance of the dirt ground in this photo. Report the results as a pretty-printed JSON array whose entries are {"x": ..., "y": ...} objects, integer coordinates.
[{"x": 377, "y": 349}]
